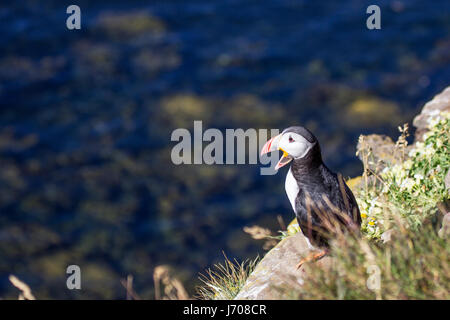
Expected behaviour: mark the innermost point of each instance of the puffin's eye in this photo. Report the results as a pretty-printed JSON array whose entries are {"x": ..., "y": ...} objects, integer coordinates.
[{"x": 290, "y": 139}]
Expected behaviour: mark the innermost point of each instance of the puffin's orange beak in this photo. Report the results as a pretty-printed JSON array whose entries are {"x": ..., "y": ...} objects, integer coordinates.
[{"x": 272, "y": 145}]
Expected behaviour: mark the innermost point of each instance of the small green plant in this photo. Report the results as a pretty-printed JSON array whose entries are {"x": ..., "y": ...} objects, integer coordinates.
[
  {"x": 411, "y": 189},
  {"x": 224, "y": 281}
]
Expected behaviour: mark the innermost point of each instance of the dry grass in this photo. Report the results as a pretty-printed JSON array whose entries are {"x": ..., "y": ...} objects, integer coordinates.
[
  {"x": 224, "y": 281},
  {"x": 168, "y": 287},
  {"x": 412, "y": 265},
  {"x": 25, "y": 291},
  {"x": 260, "y": 233}
]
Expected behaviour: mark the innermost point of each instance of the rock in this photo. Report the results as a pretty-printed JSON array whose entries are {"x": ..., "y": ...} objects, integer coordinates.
[
  {"x": 440, "y": 103},
  {"x": 382, "y": 148},
  {"x": 387, "y": 235},
  {"x": 445, "y": 230},
  {"x": 277, "y": 270},
  {"x": 382, "y": 151}
]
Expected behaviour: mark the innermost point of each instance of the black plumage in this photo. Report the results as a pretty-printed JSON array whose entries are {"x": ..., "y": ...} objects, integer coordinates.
[{"x": 323, "y": 197}]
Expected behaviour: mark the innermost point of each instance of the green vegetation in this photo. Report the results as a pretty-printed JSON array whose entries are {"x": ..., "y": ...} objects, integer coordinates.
[{"x": 409, "y": 190}]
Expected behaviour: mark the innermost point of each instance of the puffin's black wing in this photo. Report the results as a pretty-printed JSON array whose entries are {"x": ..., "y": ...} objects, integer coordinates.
[
  {"x": 341, "y": 196},
  {"x": 323, "y": 201}
]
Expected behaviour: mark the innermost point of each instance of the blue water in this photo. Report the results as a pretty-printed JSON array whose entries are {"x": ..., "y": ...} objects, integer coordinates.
[{"x": 86, "y": 176}]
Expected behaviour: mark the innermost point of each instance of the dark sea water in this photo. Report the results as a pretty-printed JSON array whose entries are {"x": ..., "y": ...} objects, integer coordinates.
[{"x": 86, "y": 117}]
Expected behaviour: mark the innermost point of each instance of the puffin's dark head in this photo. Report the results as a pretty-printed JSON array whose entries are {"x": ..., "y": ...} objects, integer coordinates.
[{"x": 295, "y": 142}]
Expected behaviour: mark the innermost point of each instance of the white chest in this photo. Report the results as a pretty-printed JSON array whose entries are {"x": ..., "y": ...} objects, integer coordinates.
[{"x": 291, "y": 188}]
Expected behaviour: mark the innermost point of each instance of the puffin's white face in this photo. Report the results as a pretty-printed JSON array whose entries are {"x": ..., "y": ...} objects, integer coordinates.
[{"x": 293, "y": 145}]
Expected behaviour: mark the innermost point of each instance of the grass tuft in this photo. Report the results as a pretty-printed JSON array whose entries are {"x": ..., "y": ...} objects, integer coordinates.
[{"x": 224, "y": 281}]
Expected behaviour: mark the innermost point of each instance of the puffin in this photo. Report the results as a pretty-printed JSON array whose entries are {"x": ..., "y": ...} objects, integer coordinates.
[{"x": 323, "y": 203}]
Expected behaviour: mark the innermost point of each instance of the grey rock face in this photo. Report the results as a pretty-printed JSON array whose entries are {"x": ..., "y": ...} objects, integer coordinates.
[
  {"x": 445, "y": 230},
  {"x": 382, "y": 151},
  {"x": 387, "y": 235},
  {"x": 440, "y": 102},
  {"x": 277, "y": 271}
]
